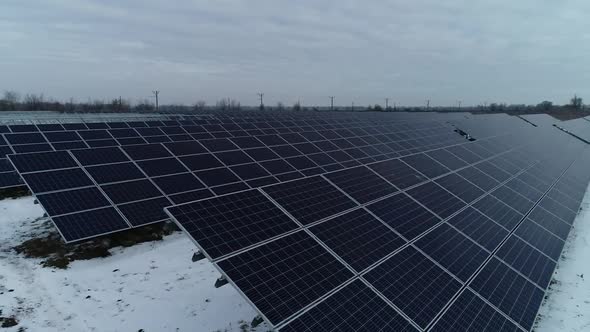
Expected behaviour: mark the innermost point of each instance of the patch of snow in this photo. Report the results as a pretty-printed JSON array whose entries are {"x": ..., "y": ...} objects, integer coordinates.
[
  {"x": 567, "y": 307},
  {"x": 151, "y": 286}
]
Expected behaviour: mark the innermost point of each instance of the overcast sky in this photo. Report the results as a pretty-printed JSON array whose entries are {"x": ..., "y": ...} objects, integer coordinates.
[{"x": 508, "y": 51}]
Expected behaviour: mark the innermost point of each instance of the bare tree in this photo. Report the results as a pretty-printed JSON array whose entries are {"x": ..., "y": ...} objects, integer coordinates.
[
  {"x": 545, "y": 105},
  {"x": 200, "y": 106},
  {"x": 10, "y": 101},
  {"x": 576, "y": 102},
  {"x": 70, "y": 105},
  {"x": 297, "y": 106},
  {"x": 33, "y": 102},
  {"x": 280, "y": 106},
  {"x": 235, "y": 105},
  {"x": 222, "y": 104},
  {"x": 144, "y": 105},
  {"x": 226, "y": 104}
]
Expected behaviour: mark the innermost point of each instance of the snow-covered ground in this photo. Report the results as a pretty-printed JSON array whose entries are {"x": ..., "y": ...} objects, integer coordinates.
[
  {"x": 567, "y": 307},
  {"x": 147, "y": 287},
  {"x": 155, "y": 286}
]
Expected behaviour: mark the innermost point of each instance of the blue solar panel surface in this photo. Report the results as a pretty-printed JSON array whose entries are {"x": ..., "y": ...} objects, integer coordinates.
[{"x": 418, "y": 224}]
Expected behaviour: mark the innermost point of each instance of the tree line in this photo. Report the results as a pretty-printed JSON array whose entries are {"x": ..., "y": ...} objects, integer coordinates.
[{"x": 13, "y": 101}]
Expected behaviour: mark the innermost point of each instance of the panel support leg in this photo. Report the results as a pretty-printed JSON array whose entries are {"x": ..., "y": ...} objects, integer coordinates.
[
  {"x": 220, "y": 282},
  {"x": 256, "y": 321},
  {"x": 197, "y": 256}
]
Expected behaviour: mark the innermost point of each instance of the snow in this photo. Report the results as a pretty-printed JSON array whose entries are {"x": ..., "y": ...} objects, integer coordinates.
[
  {"x": 151, "y": 286},
  {"x": 567, "y": 307}
]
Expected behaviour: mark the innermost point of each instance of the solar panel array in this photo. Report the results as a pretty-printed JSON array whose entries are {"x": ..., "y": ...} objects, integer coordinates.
[
  {"x": 135, "y": 182},
  {"x": 333, "y": 221},
  {"x": 26, "y": 138},
  {"x": 579, "y": 128},
  {"x": 459, "y": 238}
]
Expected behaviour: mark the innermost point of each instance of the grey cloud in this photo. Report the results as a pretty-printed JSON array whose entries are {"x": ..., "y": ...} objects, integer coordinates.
[{"x": 506, "y": 51}]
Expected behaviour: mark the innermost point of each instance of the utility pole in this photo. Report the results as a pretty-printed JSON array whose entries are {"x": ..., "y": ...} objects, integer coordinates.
[
  {"x": 261, "y": 95},
  {"x": 427, "y": 104},
  {"x": 459, "y": 102},
  {"x": 331, "y": 103},
  {"x": 156, "y": 93}
]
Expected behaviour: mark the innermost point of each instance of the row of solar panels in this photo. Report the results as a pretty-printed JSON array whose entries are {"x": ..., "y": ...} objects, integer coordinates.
[
  {"x": 363, "y": 249},
  {"x": 134, "y": 182},
  {"x": 57, "y": 137}
]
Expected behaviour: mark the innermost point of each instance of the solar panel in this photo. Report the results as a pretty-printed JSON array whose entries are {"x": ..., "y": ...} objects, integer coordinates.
[
  {"x": 479, "y": 178},
  {"x": 471, "y": 313},
  {"x": 425, "y": 165},
  {"x": 64, "y": 202},
  {"x": 115, "y": 172},
  {"x": 232, "y": 222},
  {"x": 479, "y": 228},
  {"x": 145, "y": 212},
  {"x": 437, "y": 199},
  {"x": 29, "y": 138},
  {"x": 10, "y": 179},
  {"x": 501, "y": 213},
  {"x": 217, "y": 177},
  {"x": 542, "y": 239},
  {"x": 42, "y": 161},
  {"x": 28, "y": 148},
  {"x": 358, "y": 237},
  {"x": 57, "y": 180},
  {"x": 457, "y": 253},
  {"x": 398, "y": 173},
  {"x": 164, "y": 166},
  {"x": 509, "y": 291},
  {"x": 404, "y": 215},
  {"x": 361, "y": 184},
  {"x": 90, "y": 157},
  {"x": 550, "y": 222},
  {"x": 414, "y": 284},
  {"x": 460, "y": 187},
  {"x": 527, "y": 260},
  {"x": 310, "y": 199},
  {"x": 131, "y": 191},
  {"x": 79, "y": 226},
  {"x": 513, "y": 199},
  {"x": 291, "y": 273},
  {"x": 447, "y": 159},
  {"x": 249, "y": 171},
  {"x": 365, "y": 311},
  {"x": 146, "y": 151},
  {"x": 178, "y": 183}
]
